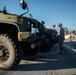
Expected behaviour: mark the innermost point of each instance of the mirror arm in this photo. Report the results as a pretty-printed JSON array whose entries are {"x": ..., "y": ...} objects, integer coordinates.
[
  {"x": 18, "y": 18},
  {"x": 25, "y": 12}
]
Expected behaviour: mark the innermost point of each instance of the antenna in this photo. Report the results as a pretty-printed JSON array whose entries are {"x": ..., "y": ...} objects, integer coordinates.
[{"x": 0, "y": 10}]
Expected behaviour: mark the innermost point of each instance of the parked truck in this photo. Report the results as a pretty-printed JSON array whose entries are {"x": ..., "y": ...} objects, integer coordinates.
[{"x": 20, "y": 36}]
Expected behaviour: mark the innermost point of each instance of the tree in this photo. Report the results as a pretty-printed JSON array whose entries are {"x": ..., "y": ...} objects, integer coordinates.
[{"x": 74, "y": 32}]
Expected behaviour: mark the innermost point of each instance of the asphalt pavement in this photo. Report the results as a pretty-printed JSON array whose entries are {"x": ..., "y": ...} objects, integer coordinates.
[{"x": 48, "y": 63}]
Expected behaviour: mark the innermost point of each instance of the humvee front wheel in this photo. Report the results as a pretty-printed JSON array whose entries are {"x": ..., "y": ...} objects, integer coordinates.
[{"x": 9, "y": 55}]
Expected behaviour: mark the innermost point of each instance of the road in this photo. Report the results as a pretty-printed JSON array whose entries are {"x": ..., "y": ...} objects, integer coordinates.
[{"x": 49, "y": 63}]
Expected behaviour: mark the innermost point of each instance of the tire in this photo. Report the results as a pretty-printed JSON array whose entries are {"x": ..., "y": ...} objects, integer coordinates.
[
  {"x": 28, "y": 51},
  {"x": 9, "y": 52},
  {"x": 31, "y": 52},
  {"x": 46, "y": 44}
]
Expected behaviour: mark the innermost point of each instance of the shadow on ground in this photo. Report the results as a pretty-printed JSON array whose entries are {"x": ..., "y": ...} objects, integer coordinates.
[{"x": 49, "y": 62}]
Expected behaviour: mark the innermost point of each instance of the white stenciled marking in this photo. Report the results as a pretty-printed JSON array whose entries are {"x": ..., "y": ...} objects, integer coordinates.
[
  {"x": 70, "y": 48},
  {"x": 74, "y": 50}
]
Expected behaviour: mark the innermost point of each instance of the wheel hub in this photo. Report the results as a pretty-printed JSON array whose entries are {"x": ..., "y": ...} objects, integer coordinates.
[{"x": 4, "y": 53}]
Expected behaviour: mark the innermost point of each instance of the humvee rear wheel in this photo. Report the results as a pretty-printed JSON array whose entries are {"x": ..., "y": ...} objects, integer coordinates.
[
  {"x": 46, "y": 44},
  {"x": 9, "y": 55}
]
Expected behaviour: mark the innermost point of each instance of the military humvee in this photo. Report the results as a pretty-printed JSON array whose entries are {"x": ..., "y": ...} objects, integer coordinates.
[{"x": 20, "y": 36}]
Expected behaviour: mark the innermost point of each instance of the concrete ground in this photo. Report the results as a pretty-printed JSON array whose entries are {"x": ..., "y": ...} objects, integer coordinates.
[{"x": 49, "y": 63}]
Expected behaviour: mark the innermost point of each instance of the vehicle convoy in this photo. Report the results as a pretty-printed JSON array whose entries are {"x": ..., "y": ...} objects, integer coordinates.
[{"x": 20, "y": 36}]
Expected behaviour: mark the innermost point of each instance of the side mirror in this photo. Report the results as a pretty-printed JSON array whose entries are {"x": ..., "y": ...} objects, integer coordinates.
[
  {"x": 43, "y": 22},
  {"x": 23, "y": 4}
]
